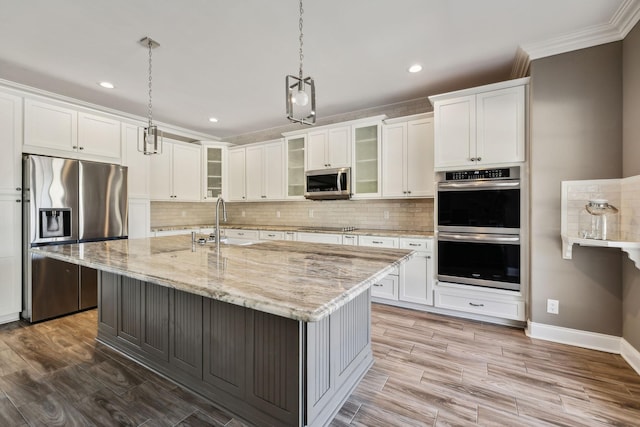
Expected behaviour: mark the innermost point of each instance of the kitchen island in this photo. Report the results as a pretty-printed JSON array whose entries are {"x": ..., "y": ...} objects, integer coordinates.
[{"x": 276, "y": 332}]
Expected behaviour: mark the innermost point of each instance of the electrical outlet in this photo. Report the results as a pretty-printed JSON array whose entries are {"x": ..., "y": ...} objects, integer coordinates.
[
  {"x": 243, "y": 214},
  {"x": 553, "y": 306},
  {"x": 386, "y": 214},
  {"x": 310, "y": 213},
  {"x": 277, "y": 214}
]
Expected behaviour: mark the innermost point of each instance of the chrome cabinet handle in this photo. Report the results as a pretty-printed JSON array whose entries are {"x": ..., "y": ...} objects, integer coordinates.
[
  {"x": 18, "y": 200},
  {"x": 476, "y": 305},
  {"x": 271, "y": 235},
  {"x": 18, "y": 189},
  {"x": 478, "y": 159},
  {"x": 377, "y": 285},
  {"x": 74, "y": 146},
  {"x": 414, "y": 244},
  {"x": 376, "y": 242},
  {"x": 240, "y": 234},
  {"x": 82, "y": 148}
]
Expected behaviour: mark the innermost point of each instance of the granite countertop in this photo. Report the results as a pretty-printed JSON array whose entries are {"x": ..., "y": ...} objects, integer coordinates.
[
  {"x": 301, "y": 281},
  {"x": 307, "y": 229}
]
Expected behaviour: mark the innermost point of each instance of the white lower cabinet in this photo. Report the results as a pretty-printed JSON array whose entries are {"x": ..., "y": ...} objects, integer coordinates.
[
  {"x": 235, "y": 233},
  {"x": 349, "y": 240},
  {"x": 416, "y": 275},
  {"x": 387, "y": 287},
  {"x": 487, "y": 302},
  {"x": 272, "y": 235},
  {"x": 10, "y": 258}
]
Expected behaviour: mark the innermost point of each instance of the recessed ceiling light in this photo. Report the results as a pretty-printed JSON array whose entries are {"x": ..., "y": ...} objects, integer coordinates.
[
  {"x": 415, "y": 68},
  {"x": 107, "y": 85},
  {"x": 213, "y": 120}
]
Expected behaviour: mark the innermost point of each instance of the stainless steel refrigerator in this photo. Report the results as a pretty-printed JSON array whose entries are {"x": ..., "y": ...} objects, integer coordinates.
[{"x": 67, "y": 201}]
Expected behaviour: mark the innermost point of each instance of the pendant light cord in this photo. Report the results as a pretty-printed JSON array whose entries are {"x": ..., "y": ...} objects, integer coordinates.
[{"x": 301, "y": 38}]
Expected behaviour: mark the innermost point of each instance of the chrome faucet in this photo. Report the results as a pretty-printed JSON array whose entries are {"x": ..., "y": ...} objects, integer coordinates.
[{"x": 224, "y": 217}]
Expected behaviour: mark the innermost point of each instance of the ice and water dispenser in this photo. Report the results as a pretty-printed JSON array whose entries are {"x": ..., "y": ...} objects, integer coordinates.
[{"x": 55, "y": 223}]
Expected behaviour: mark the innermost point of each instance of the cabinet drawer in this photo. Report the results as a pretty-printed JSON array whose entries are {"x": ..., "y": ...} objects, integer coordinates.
[
  {"x": 320, "y": 238},
  {"x": 479, "y": 304},
  {"x": 242, "y": 234},
  {"x": 271, "y": 235},
  {"x": 386, "y": 288},
  {"x": 378, "y": 242},
  {"x": 422, "y": 245},
  {"x": 290, "y": 235},
  {"x": 349, "y": 239}
]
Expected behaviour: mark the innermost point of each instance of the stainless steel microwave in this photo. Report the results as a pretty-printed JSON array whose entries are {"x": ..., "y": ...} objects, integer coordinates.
[{"x": 328, "y": 184}]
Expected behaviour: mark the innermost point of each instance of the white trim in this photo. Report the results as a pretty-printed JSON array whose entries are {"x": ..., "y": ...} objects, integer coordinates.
[
  {"x": 575, "y": 337},
  {"x": 630, "y": 354},
  {"x": 622, "y": 21},
  {"x": 8, "y": 318}
]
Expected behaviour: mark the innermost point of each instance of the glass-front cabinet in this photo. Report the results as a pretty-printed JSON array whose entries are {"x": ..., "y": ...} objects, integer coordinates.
[
  {"x": 295, "y": 166},
  {"x": 366, "y": 160},
  {"x": 213, "y": 167}
]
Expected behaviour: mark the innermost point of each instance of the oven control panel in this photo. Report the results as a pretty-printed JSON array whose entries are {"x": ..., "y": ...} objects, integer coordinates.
[{"x": 482, "y": 174}]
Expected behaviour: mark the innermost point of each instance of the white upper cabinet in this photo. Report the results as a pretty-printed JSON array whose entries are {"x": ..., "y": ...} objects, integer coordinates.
[
  {"x": 57, "y": 130},
  {"x": 175, "y": 173},
  {"x": 213, "y": 171},
  {"x": 265, "y": 171},
  {"x": 99, "y": 136},
  {"x": 365, "y": 175},
  {"x": 295, "y": 166},
  {"x": 480, "y": 127},
  {"x": 329, "y": 148},
  {"x": 50, "y": 126},
  {"x": 10, "y": 140},
  {"x": 236, "y": 176},
  {"x": 407, "y": 158}
]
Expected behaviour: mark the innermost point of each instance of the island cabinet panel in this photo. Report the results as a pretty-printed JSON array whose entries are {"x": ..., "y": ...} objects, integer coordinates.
[
  {"x": 224, "y": 354},
  {"x": 129, "y": 313},
  {"x": 273, "y": 366},
  {"x": 154, "y": 313},
  {"x": 108, "y": 303},
  {"x": 186, "y": 333}
]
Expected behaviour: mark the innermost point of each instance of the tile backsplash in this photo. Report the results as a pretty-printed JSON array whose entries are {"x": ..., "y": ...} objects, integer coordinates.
[{"x": 409, "y": 214}]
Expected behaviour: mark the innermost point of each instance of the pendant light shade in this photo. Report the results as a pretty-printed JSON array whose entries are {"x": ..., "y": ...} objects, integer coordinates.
[
  {"x": 152, "y": 141},
  {"x": 301, "y": 91}
]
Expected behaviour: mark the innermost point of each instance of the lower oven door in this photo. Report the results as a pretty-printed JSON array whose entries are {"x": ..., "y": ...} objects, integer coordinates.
[{"x": 489, "y": 260}]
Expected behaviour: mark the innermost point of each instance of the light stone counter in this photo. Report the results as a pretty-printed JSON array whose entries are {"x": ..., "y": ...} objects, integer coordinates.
[{"x": 300, "y": 281}]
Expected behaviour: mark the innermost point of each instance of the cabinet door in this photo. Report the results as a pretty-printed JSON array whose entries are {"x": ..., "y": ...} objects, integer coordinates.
[
  {"x": 339, "y": 147},
  {"x": 386, "y": 288},
  {"x": 393, "y": 157},
  {"x": 237, "y": 175},
  {"x": 254, "y": 161},
  {"x": 99, "y": 136},
  {"x": 139, "y": 218},
  {"x": 274, "y": 171},
  {"x": 50, "y": 126},
  {"x": 138, "y": 164},
  {"x": 186, "y": 173},
  {"x": 500, "y": 126},
  {"x": 455, "y": 132},
  {"x": 295, "y": 167},
  {"x": 415, "y": 285},
  {"x": 160, "y": 174},
  {"x": 366, "y": 164},
  {"x": 212, "y": 172},
  {"x": 10, "y": 140},
  {"x": 10, "y": 258},
  {"x": 419, "y": 161},
  {"x": 317, "y": 150}
]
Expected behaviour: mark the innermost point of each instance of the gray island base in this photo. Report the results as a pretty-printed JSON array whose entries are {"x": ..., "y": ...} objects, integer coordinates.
[{"x": 277, "y": 333}]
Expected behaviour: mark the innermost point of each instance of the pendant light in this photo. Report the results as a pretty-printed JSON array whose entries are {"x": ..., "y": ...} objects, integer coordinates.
[
  {"x": 301, "y": 91},
  {"x": 152, "y": 141}
]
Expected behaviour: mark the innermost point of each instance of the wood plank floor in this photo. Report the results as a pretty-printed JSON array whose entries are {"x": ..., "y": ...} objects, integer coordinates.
[{"x": 429, "y": 370}]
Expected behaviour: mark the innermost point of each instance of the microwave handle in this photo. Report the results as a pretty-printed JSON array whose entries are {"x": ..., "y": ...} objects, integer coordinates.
[{"x": 338, "y": 176}]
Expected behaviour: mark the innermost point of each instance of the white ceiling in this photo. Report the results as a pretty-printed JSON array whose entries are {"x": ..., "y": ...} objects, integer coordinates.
[{"x": 229, "y": 58}]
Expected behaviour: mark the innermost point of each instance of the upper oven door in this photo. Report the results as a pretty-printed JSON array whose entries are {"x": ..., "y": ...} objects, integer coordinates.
[{"x": 479, "y": 206}]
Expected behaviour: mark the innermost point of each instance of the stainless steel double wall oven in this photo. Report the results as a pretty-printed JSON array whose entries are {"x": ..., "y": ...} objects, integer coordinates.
[{"x": 479, "y": 228}]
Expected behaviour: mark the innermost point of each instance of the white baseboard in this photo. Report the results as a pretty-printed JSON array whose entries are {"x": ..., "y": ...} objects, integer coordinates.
[
  {"x": 8, "y": 318},
  {"x": 591, "y": 340},
  {"x": 630, "y": 354},
  {"x": 578, "y": 338}
]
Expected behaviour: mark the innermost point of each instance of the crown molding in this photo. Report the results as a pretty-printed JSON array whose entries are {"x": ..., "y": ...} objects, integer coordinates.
[{"x": 622, "y": 21}]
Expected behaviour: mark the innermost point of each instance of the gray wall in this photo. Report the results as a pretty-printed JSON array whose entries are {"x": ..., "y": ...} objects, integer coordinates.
[
  {"x": 576, "y": 133},
  {"x": 631, "y": 167}
]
